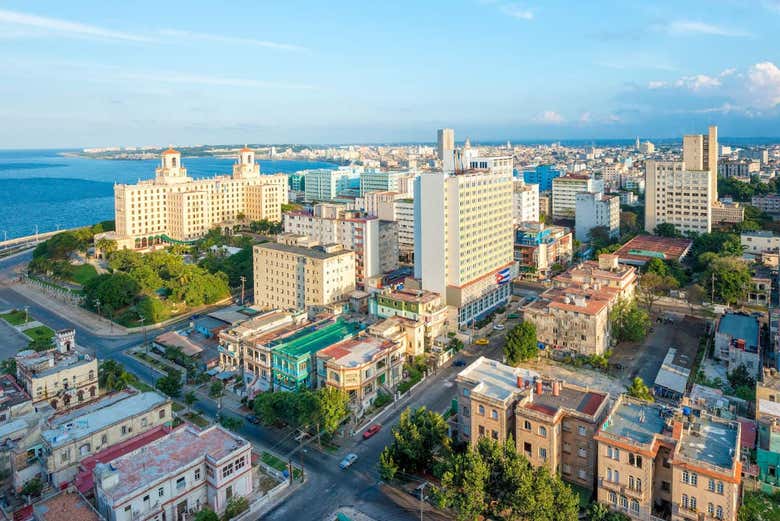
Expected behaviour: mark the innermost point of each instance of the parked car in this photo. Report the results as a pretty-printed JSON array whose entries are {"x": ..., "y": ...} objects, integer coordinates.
[
  {"x": 251, "y": 418},
  {"x": 482, "y": 341},
  {"x": 371, "y": 431},
  {"x": 348, "y": 460},
  {"x": 459, "y": 362},
  {"x": 498, "y": 327},
  {"x": 513, "y": 316}
]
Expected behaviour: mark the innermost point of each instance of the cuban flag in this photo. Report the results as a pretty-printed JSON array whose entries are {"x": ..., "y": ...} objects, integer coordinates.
[{"x": 503, "y": 276}]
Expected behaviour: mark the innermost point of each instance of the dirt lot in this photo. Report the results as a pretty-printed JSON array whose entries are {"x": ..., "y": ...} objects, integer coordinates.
[{"x": 644, "y": 359}]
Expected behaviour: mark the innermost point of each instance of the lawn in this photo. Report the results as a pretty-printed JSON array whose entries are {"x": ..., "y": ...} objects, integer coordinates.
[
  {"x": 17, "y": 317},
  {"x": 197, "y": 419},
  {"x": 39, "y": 333},
  {"x": 276, "y": 463},
  {"x": 83, "y": 273}
]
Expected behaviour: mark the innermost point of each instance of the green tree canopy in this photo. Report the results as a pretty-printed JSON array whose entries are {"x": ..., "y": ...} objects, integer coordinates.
[
  {"x": 521, "y": 343},
  {"x": 418, "y": 437},
  {"x": 206, "y": 515},
  {"x": 730, "y": 276},
  {"x": 170, "y": 384},
  {"x": 653, "y": 286},
  {"x": 629, "y": 322},
  {"x": 666, "y": 230},
  {"x": 638, "y": 389},
  {"x": 112, "y": 291}
]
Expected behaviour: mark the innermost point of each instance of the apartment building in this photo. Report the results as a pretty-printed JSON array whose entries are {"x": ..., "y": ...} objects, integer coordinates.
[
  {"x": 604, "y": 273},
  {"x": 445, "y": 143},
  {"x": 700, "y": 153},
  {"x": 176, "y": 207},
  {"x": 594, "y": 209},
  {"x": 565, "y": 190},
  {"x": 737, "y": 342},
  {"x": 554, "y": 427},
  {"x": 768, "y": 419},
  {"x": 374, "y": 242},
  {"x": 62, "y": 376},
  {"x": 727, "y": 212},
  {"x": 176, "y": 476},
  {"x": 14, "y": 400},
  {"x": 739, "y": 168},
  {"x": 299, "y": 273},
  {"x": 525, "y": 202},
  {"x": 463, "y": 238},
  {"x": 655, "y": 461},
  {"x": 236, "y": 344},
  {"x": 543, "y": 176},
  {"x": 487, "y": 393},
  {"x": 766, "y": 203},
  {"x": 759, "y": 241},
  {"x": 324, "y": 184},
  {"x": 417, "y": 305},
  {"x": 381, "y": 180},
  {"x": 362, "y": 367},
  {"x": 538, "y": 247}
]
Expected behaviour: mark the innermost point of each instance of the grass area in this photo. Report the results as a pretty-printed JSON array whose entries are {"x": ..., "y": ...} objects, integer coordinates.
[
  {"x": 176, "y": 406},
  {"x": 278, "y": 464},
  {"x": 39, "y": 333},
  {"x": 196, "y": 419},
  {"x": 83, "y": 273},
  {"x": 17, "y": 317},
  {"x": 151, "y": 360},
  {"x": 144, "y": 388}
]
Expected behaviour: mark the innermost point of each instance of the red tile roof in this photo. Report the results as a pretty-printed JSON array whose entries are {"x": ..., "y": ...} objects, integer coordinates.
[{"x": 748, "y": 433}]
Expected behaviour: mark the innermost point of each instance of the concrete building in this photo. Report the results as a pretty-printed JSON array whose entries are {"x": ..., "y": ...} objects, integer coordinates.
[
  {"x": 298, "y": 273},
  {"x": 543, "y": 176},
  {"x": 655, "y": 461},
  {"x": 760, "y": 241},
  {"x": 362, "y": 367},
  {"x": 647, "y": 148},
  {"x": 738, "y": 168},
  {"x": 463, "y": 238},
  {"x": 766, "y": 203},
  {"x": 594, "y": 209},
  {"x": 768, "y": 419},
  {"x": 737, "y": 342},
  {"x": 445, "y": 143},
  {"x": 354, "y": 230},
  {"x": 324, "y": 184},
  {"x": 678, "y": 196},
  {"x": 700, "y": 153},
  {"x": 381, "y": 180},
  {"x": 727, "y": 213},
  {"x": 565, "y": 190},
  {"x": 421, "y": 307},
  {"x": 63, "y": 376},
  {"x": 76, "y": 435},
  {"x": 14, "y": 400},
  {"x": 176, "y": 476},
  {"x": 525, "y": 202},
  {"x": 174, "y": 206},
  {"x": 539, "y": 247}
]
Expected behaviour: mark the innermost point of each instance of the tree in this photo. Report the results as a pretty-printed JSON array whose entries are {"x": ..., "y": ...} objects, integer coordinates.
[
  {"x": 40, "y": 344},
  {"x": 206, "y": 515},
  {"x": 217, "y": 389},
  {"x": 190, "y": 399},
  {"x": 113, "y": 377},
  {"x": 110, "y": 291},
  {"x": 333, "y": 408},
  {"x": 8, "y": 366},
  {"x": 696, "y": 294},
  {"x": 599, "y": 237},
  {"x": 106, "y": 247},
  {"x": 463, "y": 485},
  {"x": 235, "y": 506},
  {"x": 33, "y": 488},
  {"x": 387, "y": 467},
  {"x": 628, "y": 222},
  {"x": 653, "y": 286},
  {"x": 740, "y": 377},
  {"x": 170, "y": 384},
  {"x": 727, "y": 277},
  {"x": 629, "y": 323},
  {"x": 230, "y": 423},
  {"x": 417, "y": 437},
  {"x": 521, "y": 343},
  {"x": 666, "y": 230},
  {"x": 638, "y": 389},
  {"x": 153, "y": 310}
]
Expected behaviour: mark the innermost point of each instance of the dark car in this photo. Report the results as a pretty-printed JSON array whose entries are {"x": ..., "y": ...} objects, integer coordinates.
[
  {"x": 251, "y": 418},
  {"x": 459, "y": 363},
  {"x": 371, "y": 431}
]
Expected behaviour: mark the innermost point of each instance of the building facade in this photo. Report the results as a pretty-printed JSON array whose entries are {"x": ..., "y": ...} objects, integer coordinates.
[
  {"x": 445, "y": 142},
  {"x": 565, "y": 190},
  {"x": 677, "y": 196},
  {"x": 525, "y": 202},
  {"x": 594, "y": 209},
  {"x": 324, "y": 184},
  {"x": 539, "y": 247},
  {"x": 543, "y": 176}
]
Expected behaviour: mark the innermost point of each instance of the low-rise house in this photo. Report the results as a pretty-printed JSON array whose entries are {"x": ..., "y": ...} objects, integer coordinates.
[
  {"x": 416, "y": 305},
  {"x": 737, "y": 342},
  {"x": 642, "y": 248},
  {"x": 538, "y": 248},
  {"x": 176, "y": 476},
  {"x": 14, "y": 401},
  {"x": 606, "y": 272}
]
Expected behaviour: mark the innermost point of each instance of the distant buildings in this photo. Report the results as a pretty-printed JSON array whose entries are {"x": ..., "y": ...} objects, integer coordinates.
[
  {"x": 297, "y": 273},
  {"x": 737, "y": 341},
  {"x": 445, "y": 143},
  {"x": 594, "y": 209},
  {"x": 463, "y": 236},
  {"x": 176, "y": 207},
  {"x": 760, "y": 241},
  {"x": 543, "y": 176},
  {"x": 539, "y": 247},
  {"x": 565, "y": 190},
  {"x": 324, "y": 184},
  {"x": 738, "y": 168},
  {"x": 766, "y": 203},
  {"x": 381, "y": 180},
  {"x": 525, "y": 202}
]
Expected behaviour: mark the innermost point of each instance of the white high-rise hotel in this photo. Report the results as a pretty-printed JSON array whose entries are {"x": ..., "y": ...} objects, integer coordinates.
[
  {"x": 463, "y": 235},
  {"x": 178, "y": 207}
]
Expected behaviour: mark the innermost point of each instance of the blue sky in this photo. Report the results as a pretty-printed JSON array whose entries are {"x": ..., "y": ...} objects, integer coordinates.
[{"x": 97, "y": 73}]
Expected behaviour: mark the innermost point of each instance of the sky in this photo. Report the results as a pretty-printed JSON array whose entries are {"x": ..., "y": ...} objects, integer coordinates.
[{"x": 96, "y": 73}]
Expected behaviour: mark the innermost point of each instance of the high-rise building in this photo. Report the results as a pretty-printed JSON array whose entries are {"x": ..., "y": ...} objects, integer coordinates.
[
  {"x": 174, "y": 206},
  {"x": 543, "y": 176},
  {"x": 594, "y": 209},
  {"x": 463, "y": 238},
  {"x": 324, "y": 184},
  {"x": 381, "y": 181},
  {"x": 525, "y": 202},
  {"x": 565, "y": 190},
  {"x": 445, "y": 140},
  {"x": 700, "y": 152}
]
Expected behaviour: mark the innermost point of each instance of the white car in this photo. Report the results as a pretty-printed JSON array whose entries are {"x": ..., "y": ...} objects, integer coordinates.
[{"x": 498, "y": 327}]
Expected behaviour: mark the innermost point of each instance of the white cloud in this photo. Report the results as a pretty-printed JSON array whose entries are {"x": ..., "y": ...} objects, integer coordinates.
[
  {"x": 653, "y": 85},
  {"x": 196, "y": 79},
  {"x": 551, "y": 117},
  {"x": 511, "y": 9},
  {"x": 585, "y": 117},
  {"x": 763, "y": 84},
  {"x": 697, "y": 82},
  {"x": 41, "y": 24},
  {"x": 692, "y": 27},
  {"x": 189, "y": 35}
]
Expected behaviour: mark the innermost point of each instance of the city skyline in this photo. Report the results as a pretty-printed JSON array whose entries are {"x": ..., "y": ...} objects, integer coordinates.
[{"x": 93, "y": 75}]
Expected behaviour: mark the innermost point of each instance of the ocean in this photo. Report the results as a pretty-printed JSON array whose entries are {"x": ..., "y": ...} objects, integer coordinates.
[{"x": 45, "y": 189}]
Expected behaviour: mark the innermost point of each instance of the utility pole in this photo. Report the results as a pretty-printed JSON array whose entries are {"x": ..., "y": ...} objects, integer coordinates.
[
  {"x": 712, "y": 297},
  {"x": 422, "y": 495},
  {"x": 243, "y": 280}
]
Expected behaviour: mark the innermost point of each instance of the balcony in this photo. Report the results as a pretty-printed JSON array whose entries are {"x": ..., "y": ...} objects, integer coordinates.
[
  {"x": 638, "y": 494},
  {"x": 687, "y": 513}
]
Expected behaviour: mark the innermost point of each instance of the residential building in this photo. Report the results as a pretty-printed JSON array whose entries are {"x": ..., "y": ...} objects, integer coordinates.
[
  {"x": 14, "y": 400},
  {"x": 75, "y": 435},
  {"x": 677, "y": 196},
  {"x": 176, "y": 207},
  {"x": 545, "y": 204},
  {"x": 362, "y": 367},
  {"x": 445, "y": 143},
  {"x": 354, "y": 230},
  {"x": 554, "y": 427},
  {"x": 404, "y": 216},
  {"x": 647, "y": 147},
  {"x": 64, "y": 505},
  {"x": 298, "y": 273},
  {"x": 727, "y": 213},
  {"x": 62, "y": 376},
  {"x": 605, "y": 273},
  {"x": 381, "y": 180},
  {"x": 463, "y": 237},
  {"x": 768, "y": 419},
  {"x": 487, "y": 393},
  {"x": 324, "y": 184},
  {"x": 737, "y": 342},
  {"x": 565, "y": 190},
  {"x": 236, "y": 344},
  {"x": 700, "y": 153},
  {"x": 419, "y": 306},
  {"x": 766, "y": 203},
  {"x": 759, "y": 154},
  {"x": 760, "y": 241},
  {"x": 381, "y": 204},
  {"x": 655, "y": 461},
  {"x": 538, "y": 248},
  {"x": 594, "y": 209},
  {"x": 543, "y": 176},
  {"x": 738, "y": 168},
  {"x": 176, "y": 476},
  {"x": 525, "y": 202}
]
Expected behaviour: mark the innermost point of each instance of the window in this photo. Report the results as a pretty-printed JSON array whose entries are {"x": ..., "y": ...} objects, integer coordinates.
[
  {"x": 543, "y": 453},
  {"x": 527, "y": 448},
  {"x": 527, "y": 425},
  {"x": 624, "y": 501},
  {"x": 617, "y": 454},
  {"x": 581, "y": 430},
  {"x": 210, "y": 472},
  {"x": 631, "y": 482},
  {"x": 162, "y": 413},
  {"x": 481, "y": 410},
  {"x": 693, "y": 503},
  {"x": 494, "y": 414},
  {"x": 582, "y": 474},
  {"x": 582, "y": 453},
  {"x": 494, "y": 433},
  {"x": 685, "y": 501},
  {"x": 635, "y": 460},
  {"x": 481, "y": 430},
  {"x": 711, "y": 485},
  {"x": 609, "y": 474},
  {"x": 103, "y": 439},
  {"x": 160, "y": 492},
  {"x": 720, "y": 488},
  {"x": 465, "y": 392},
  {"x": 124, "y": 429},
  {"x": 666, "y": 486},
  {"x": 127, "y": 508},
  {"x": 694, "y": 478},
  {"x": 612, "y": 497},
  {"x": 180, "y": 483},
  {"x": 710, "y": 509},
  {"x": 635, "y": 506},
  {"x": 197, "y": 475},
  {"x": 227, "y": 470},
  {"x": 719, "y": 512},
  {"x": 686, "y": 477},
  {"x": 542, "y": 431},
  {"x": 639, "y": 484},
  {"x": 240, "y": 462},
  {"x": 144, "y": 422},
  {"x": 609, "y": 452}
]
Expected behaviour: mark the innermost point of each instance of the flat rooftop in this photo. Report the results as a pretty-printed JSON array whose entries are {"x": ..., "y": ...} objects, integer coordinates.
[
  {"x": 233, "y": 314},
  {"x": 575, "y": 298},
  {"x": 711, "y": 441},
  {"x": 49, "y": 362},
  {"x": 11, "y": 393},
  {"x": 569, "y": 398},
  {"x": 356, "y": 351},
  {"x": 642, "y": 248},
  {"x": 496, "y": 380},
  {"x": 66, "y": 429},
  {"x": 65, "y": 506},
  {"x": 744, "y": 327},
  {"x": 412, "y": 295},
  {"x": 638, "y": 422},
  {"x": 152, "y": 462},
  {"x": 321, "y": 251},
  {"x": 312, "y": 338}
]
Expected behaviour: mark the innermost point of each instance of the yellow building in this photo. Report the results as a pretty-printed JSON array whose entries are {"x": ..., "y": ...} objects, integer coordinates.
[
  {"x": 298, "y": 273},
  {"x": 176, "y": 206}
]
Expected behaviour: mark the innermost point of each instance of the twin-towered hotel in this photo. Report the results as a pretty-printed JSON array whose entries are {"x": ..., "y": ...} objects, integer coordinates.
[{"x": 175, "y": 207}]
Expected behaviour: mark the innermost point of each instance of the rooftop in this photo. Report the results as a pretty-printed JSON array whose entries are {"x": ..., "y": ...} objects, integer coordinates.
[
  {"x": 180, "y": 448},
  {"x": 312, "y": 338},
  {"x": 68, "y": 506},
  {"x": 412, "y": 295},
  {"x": 637, "y": 421},
  {"x": 570, "y": 398},
  {"x": 672, "y": 375},
  {"x": 496, "y": 380},
  {"x": 740, "y": 327},
  {"x": 710, "y": 441},
  {"x": 11, "y": 393},
  {"x": 356, "y": 351},
  {"x": 177, "y": 340},
  {"x": 234, "y": 314},
  {"x": 577, "y": 299},
  {"x": 321, "y": 251},
  {"x": 83, "y": 423},
  {"x": 642, "y": 248},
  {"x": 49, "y": 362}
]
